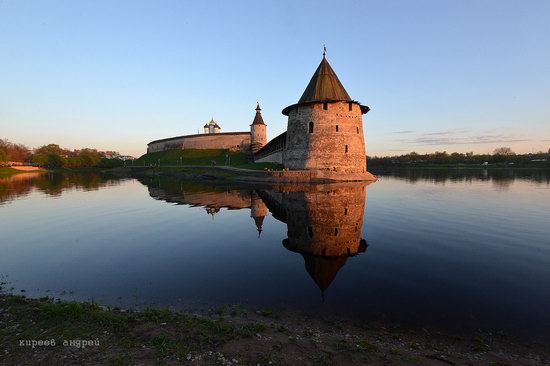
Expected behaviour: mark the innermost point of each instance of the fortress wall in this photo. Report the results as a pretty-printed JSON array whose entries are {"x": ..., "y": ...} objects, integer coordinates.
[
  {"x": 176, "y": 143},
  {"x": 276, "y": 157},
  {"x": 325, "y": 147},
  {"x": 231, "y": 140},
  {"x": 273, "y": 151}
]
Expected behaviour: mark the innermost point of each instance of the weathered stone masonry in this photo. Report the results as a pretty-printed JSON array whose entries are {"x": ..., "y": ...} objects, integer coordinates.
[
  {"x": 326, "y": 136},
  {"x": 227, "y": 140}
]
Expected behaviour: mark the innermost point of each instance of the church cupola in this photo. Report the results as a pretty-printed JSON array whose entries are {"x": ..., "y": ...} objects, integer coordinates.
[{"x": 212, "y": 127}]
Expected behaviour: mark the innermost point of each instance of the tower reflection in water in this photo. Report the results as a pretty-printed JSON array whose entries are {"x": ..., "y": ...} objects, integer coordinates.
[
  {"x": 324, "y": 221},
  {"x": 324, "y": 225}
]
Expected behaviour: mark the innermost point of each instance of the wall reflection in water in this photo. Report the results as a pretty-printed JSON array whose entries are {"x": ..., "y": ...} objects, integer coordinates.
[{"x": 324, "y": 221}]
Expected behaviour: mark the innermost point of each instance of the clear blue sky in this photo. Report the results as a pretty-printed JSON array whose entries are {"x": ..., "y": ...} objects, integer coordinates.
[{"x": 114, "y": 75}]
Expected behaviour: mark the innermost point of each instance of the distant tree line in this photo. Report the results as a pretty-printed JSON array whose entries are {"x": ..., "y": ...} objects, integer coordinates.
[
  {"x": 13, "y": 152},
  {"x": 53, "y": 156},
  {"x": 502, "y": 155}
]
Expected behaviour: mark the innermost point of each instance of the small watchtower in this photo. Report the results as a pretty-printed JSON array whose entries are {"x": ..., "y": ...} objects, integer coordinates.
[{"x": 258, "y": 131}]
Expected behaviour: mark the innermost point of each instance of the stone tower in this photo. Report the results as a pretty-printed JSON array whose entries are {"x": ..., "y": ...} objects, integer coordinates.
[
  {"x": 325, "y": 128},
  {"x": 258, "y": 131}
]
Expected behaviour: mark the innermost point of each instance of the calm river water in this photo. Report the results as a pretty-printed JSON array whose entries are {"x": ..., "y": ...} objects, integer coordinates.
[{"x": 449, "y": 249}]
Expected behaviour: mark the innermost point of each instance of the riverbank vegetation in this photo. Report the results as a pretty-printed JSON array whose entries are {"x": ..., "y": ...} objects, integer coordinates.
[
  {"x": 46, "y": 332},
  {"x": 6, "y": 172},
  {"x": 503, "y": 156},
  {"x": 53, "y": 156},
  {"x": 10, "y": 151}
]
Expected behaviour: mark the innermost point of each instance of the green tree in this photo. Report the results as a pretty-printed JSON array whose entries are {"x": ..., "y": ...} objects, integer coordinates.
[
  {"x": 40, "y": 159},
  {"x": 89, "y": 157},
  {"x": 14, "y": 152},
  {"x": 441, "y": 157},
  {"x": 73, "y": 162},
  {"x": 54, "y": 161},
  {"x": 502, "y": 154},
  {"x": 52, "y": 149},
  {"x": 504, "y": 151},
  {"x": 110, "y": 163},
  {"x": 3, "y": 156}
]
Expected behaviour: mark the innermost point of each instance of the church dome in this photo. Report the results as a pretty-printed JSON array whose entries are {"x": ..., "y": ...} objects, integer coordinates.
[{"x": 213, "y": 123}]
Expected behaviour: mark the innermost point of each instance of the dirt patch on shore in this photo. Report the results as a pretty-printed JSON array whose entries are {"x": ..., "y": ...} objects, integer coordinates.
[{"x": 90, "y": 334}]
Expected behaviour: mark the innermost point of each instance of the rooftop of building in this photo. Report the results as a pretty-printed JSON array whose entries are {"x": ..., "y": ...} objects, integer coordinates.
[
  {"x": 212, "y": 123},
  {"x": 258, "y": 120},
  {"x": 324, "y": 86}
]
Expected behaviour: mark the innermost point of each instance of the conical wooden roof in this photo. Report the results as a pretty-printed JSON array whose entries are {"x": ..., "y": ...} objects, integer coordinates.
[
  {"x": 324, "y": 86},
  {"x": 258, "y": 120}
]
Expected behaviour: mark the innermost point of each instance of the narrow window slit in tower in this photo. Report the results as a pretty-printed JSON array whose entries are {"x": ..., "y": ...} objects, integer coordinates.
[
  {"x": 357, "y": 129},
  {"x": 310, "y": 231},
  {"x": 346, "y": 148},
  {"x": 336, "y": 128},
  {"x": 345, "y": 211},
  {"x": 310, "y": 127},
  {"x": 335, "y": 231},
  {"x": 350, "y": 106},
  {"x": 325, "y": 106}
]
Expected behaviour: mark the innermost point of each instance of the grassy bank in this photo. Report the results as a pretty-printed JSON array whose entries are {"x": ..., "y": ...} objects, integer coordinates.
[
  {"x": 6, "y": 172},
  {"x": 208, "y": 157},
  {"x": 229, "y": 336},
  {"x": 193, "y": 157}
]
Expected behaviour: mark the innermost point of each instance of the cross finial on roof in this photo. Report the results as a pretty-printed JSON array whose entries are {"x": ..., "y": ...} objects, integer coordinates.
[{"x": 324, "y": 51}]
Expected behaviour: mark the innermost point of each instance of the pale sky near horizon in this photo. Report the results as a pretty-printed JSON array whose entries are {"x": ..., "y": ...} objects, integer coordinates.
[{"x": 114, "y": 75}]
